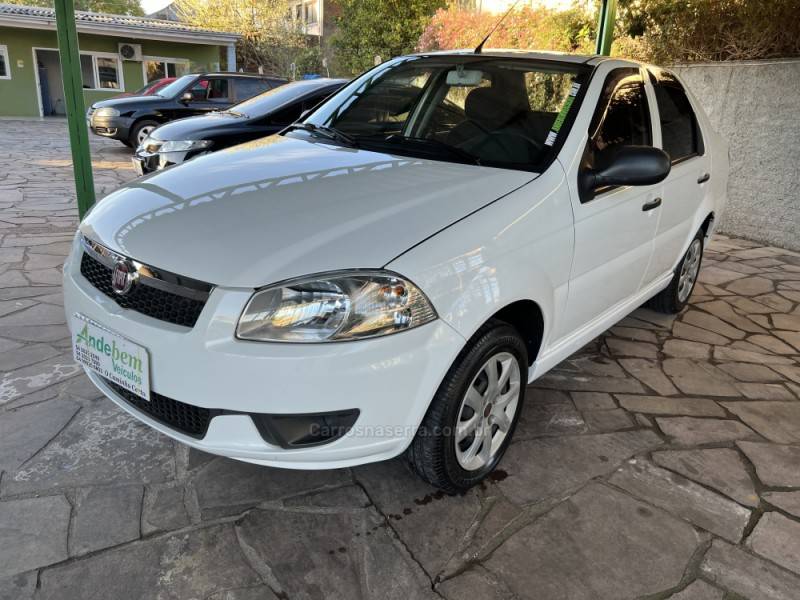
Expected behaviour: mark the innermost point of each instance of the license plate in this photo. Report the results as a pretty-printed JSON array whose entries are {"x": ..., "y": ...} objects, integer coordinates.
[
  {"x": 111, "y": 355},
  {"x": 138, "y": 166}
]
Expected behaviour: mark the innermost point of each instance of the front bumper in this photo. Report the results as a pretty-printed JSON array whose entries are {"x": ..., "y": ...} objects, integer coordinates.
[
  {"x": 389, "y": 380},
  {"x": 117, "y": 128}
]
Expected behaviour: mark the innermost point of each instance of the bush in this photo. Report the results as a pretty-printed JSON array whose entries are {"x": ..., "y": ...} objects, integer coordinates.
[
  {"x": 708, "y": 30},
  {"x": 541, "y": 29}
]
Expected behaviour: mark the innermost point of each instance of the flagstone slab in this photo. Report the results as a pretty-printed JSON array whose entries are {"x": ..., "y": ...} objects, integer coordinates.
[
  {"x": 34, "y": 533},
  {"x": 548, "y": 467},
  {"x": 776, "y": 465},
  {"x": 658, "y": 405},
  {"x": 712, "y": 324},
  {"x": 596, "y": 545},
  {"x": 692, "y": 431},
  {"x": 777, "y": 421},
  {"x": 718, "y": 468},
  {"x": 341, "y": 554},
  {"x": 777, "y": 538},
  {"x": 786, "y": 501},
  {"x": 699, "y": 378},
  {"x": 102, "y": 445},
  {"x": 182, "y": 566},
  {"x": 649, "y": 373},
  {"x": 683, "y": 498},
  {"x": 228, "y": 487},
  {"x": 699, "y": 590},
  {"x": 105, "y": 517}
]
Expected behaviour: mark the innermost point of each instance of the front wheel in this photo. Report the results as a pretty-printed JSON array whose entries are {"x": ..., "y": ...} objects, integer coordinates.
[
  {"x": 140, "y": 132},
  {"x": 674, "y": 298},
  {"x": 472, "y": 417}
]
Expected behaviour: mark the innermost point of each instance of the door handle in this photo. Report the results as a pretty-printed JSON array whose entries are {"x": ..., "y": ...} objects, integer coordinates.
[
  {"x": 653, "y": 204},
  {"x": 704, "y": 177}
]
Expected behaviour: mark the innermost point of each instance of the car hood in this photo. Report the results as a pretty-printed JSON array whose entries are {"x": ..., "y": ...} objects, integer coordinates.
[
  {"x": 192, "y": 128},
  {"x": 281, "y": 207}
]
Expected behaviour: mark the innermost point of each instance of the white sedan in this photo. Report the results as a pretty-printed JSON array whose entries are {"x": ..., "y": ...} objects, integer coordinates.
[{"x": 389, "y": 274}]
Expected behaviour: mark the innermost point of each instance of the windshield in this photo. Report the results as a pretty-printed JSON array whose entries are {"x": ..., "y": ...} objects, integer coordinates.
[
  {"x": 269, "y": 101},
  {"x": 176, "y": 87},
  {"x": 468, "y": 108}
]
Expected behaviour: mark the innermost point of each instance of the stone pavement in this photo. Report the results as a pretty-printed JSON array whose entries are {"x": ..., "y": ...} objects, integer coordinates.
[{"x": 661, "y": 461}]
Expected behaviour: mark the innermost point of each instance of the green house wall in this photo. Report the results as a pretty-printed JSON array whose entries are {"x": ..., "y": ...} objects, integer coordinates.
[{"x": 19, "y": 95}]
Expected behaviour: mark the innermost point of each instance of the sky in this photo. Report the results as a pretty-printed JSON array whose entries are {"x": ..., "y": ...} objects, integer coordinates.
[{"x": 153, "y": 5}]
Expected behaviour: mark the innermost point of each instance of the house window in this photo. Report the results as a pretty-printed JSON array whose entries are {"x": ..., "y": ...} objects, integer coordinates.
[
  {"x": 5, "y": 65},
  {"x": 307, "y": 12},
  {"x": 100, "y": 72},
  {"x": 158, "y": 68}
]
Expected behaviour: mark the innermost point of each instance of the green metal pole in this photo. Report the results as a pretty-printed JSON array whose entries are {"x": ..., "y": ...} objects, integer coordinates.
[
  {"x": 73, "y": 96},
  {"x": 605, "y": 26}
]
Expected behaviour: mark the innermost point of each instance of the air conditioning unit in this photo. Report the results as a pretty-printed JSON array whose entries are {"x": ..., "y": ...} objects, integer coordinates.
[{"x": 130, "y": 51}]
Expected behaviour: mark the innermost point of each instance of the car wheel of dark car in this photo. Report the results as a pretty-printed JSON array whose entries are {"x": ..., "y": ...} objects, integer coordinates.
[{"x": 140, "y": 131}]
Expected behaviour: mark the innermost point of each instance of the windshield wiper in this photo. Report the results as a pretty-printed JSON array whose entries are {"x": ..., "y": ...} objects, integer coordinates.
[
  {"x": 328, "y": 132},
  {"x": 453, "y": 150}
]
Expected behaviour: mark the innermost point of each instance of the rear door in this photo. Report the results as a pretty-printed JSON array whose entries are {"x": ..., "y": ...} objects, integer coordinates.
[
  {"x": 688, "y": 182},
  {"x": 614, "y": 229}
]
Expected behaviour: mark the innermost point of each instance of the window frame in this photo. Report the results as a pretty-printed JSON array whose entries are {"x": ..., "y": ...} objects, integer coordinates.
[
  {"x": 699, "y": 142},
  {"x": 96, "y": 73},
  {"x": 164, "y": 60},
  {"x": 7, "y": 62}
]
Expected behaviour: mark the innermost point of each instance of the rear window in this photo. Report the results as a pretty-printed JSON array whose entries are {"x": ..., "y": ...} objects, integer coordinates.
[
  {"x": 680, "y": 133},
  {"x": 247, "y": 88}
]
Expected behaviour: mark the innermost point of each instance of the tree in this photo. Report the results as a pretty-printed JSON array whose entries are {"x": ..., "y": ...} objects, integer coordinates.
[
  {"x": 114, "y": 7},
  {"x": 270, "y": 37},
  {"x": 571, "y": 30},
  {"x": 385, "y": 28}
]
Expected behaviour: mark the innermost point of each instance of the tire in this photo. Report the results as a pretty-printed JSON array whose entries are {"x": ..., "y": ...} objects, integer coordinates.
[
  {"x": 674, "y": 298},
  {"x": 434, "y": 454},
  {"x": 142, "y": 127}
]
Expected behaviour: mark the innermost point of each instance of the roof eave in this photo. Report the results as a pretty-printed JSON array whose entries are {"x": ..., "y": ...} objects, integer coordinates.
[{"x": 125, "y": 31}]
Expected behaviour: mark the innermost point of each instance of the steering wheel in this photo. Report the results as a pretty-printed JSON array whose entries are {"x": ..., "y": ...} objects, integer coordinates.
[
  {"x": 507, "y": 131},
  {"x": 494, "y": 137}
]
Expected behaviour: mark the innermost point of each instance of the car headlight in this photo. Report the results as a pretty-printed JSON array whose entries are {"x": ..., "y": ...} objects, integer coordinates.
[
  {"x": 334, "y": 307},
  {"x": 106, "y": 112},
  {"x": 184, "y": 145}
]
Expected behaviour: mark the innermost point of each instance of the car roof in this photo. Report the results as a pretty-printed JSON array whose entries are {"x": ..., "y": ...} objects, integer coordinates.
[
  {"x": 243, "y": 75},
  {"x": 538, "y": 55}
]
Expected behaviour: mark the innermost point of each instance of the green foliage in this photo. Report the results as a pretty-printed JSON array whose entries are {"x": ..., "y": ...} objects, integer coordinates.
[
  {"x": 697, "y": 30},
  {"x": 570, "y": 30},
  {"x": 385, "y": 28},
  {"x": 115, "y": 7}
]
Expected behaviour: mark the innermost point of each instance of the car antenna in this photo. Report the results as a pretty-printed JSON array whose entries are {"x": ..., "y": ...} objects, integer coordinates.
[{"x": 479, "y": 49}]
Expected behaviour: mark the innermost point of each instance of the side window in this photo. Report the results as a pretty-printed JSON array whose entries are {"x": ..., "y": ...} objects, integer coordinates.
[
  {"x": 199, "y": 90},
  {"x": 316, "y": 100},
  {"x": 247, "y": 88},
  {"x": 218, "y": 90},
  {"x": 680, "y": 133},
  {"x": 622, "y": 117}
]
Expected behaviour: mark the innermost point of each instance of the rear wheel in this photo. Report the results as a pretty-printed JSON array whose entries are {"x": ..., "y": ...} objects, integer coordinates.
[
  {"x": 676, "y": 296},
  {"x": 472, "y": 417},
  {"x": 140, "y": 131}
]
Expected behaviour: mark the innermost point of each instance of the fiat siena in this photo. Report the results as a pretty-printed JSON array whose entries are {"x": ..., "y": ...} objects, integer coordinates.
[{"x": 388, "y": 275}]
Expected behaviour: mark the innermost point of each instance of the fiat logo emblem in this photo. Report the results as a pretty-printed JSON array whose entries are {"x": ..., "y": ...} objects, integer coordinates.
[{"x": 122, "y": 277}]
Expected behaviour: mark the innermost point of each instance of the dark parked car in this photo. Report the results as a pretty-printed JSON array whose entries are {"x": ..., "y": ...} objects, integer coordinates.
[
  {"x": 258, "y": 117},
  {"x": 130, "y": 120}
]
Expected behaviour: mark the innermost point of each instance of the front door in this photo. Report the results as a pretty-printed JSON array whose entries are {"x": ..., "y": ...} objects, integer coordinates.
[
  {"x": 208, "y": 94},
  {"x": 615, "y": 227}
]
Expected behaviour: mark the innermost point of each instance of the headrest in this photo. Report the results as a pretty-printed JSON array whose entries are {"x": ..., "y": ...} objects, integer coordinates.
[{"x": 491, "y": 107}]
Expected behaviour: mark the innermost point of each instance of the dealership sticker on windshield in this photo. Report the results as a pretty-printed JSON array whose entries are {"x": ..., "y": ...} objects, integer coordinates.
[
  {"x": 562, "y": 115},
  {"x": 111, "y": 356}
]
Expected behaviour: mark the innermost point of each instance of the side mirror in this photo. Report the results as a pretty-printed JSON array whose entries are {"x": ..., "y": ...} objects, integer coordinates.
[
  {"x": 627, "y": 165},
  {"x": 187, "y": 97}
]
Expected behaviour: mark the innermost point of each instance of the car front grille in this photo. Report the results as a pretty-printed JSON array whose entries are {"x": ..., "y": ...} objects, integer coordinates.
[
  {"x": 143, "y": 297},
  {"x": 185, "y": 418}
]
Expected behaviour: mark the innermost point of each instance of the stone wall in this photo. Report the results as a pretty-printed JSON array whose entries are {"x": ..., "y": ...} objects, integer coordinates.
[{"x": 756, "y": 107}]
